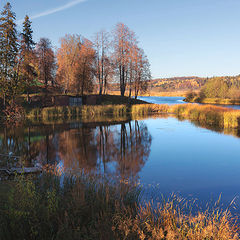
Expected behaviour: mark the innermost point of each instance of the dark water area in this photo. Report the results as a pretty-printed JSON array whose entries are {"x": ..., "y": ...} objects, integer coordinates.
[
  {"x": 177, "y": 100},
  {"x": 164, "y": 154}
]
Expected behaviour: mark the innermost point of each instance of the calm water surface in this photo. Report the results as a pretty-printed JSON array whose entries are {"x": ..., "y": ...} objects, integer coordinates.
[
  {"x": 177, "y": 100},
  {"x": 162, "y": 153},
  {"x": 163, "y": 100}
]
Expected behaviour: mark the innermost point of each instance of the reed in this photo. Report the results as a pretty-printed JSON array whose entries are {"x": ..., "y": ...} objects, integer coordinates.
[
  {"x": 61, "y": 206},
  {"x": 168, "y": 221},
  {"x": 204, "y": 114},
  {"x": 74, "y": 112},
  {"x": 209, "y": 115}
]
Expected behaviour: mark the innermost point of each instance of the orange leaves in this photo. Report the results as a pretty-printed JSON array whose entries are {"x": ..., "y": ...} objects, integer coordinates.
[
  {"x": 75, "y": 64},
  {"x": 131, "y": 63}
]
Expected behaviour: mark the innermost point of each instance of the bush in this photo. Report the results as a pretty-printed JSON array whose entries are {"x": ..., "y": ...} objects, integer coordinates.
[
  {"x": 14, "y": 113},
  {"x": 55, "y": 207}
]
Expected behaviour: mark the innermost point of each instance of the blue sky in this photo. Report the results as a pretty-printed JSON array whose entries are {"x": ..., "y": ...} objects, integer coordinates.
[{"x": 180, "y": 37}]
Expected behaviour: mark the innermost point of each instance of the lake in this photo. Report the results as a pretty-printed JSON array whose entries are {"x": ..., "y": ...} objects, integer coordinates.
[
  {"x": 177, "y": 100},
  {"x": 163, "y": 153},
  {"x": 163, "y": 100}
]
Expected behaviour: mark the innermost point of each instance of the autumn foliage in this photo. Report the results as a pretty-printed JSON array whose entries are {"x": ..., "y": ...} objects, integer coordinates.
[
  {"x": 75, "y": 64},
  {"x": 108, "y": 58}
]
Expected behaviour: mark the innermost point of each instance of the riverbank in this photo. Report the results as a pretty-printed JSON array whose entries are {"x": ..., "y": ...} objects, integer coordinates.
[
  {"x": 180, "y": 93},
  {"x": 219, "y": 101},
  {"x": 165, "y": 94},
  {"x": 206, "y": 114},
  {"x": 57, "y": 206},
  {"x": 61, "y": 106}
]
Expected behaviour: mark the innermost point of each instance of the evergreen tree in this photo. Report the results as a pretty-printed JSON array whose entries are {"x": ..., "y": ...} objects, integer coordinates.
[
  {"x": 27, "y": 34},
  {"x": 27, "y": 56},
  {"x": 8, "y": 51}
]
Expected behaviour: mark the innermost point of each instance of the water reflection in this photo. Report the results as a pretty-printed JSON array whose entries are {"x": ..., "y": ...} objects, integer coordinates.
[
  {"x": 121, "y": 149},
  {"x": 202, "y": 124},
  {"x": 174, "y": 154}
]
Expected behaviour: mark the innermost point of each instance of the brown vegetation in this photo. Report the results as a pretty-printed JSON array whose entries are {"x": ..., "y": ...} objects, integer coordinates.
[
  {"x": 208, "y": 115},
  {"x": 89, "y": 207}
]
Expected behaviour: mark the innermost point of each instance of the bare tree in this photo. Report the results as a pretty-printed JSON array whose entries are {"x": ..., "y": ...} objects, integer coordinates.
[
  {"x": 103, "y": 61},
  {"x": 124, "y": 40},
  {"x": 142, "y": 73}
]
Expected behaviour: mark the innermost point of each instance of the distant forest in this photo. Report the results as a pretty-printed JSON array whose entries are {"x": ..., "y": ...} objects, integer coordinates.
[
  {"x": 177, "y": 84},
  {"x": 214, "y": 87}
]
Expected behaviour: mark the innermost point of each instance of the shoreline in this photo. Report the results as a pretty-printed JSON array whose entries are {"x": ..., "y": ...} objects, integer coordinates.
[
  {"x": 210, "y": 115},
  {"x": 214, "y": 101}
]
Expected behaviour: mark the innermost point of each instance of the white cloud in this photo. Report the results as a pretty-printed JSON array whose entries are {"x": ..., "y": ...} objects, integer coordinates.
[{"x": 54, "y": 10}]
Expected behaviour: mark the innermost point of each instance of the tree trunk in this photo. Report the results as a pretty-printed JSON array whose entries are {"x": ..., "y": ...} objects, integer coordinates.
[
  {"x": 130, "y": 93},
  {"x": 4, "y": 100},
  {"x": 136, "y": 95},
  {"x": 100, "y": 89},
  {"x": 28, "y": 97}
]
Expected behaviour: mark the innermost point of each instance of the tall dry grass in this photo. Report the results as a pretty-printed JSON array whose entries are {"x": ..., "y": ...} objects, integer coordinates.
[
  {"x": 56, "y": 205},
  {"x": 168, "y": 221},
  {"x": 208, "y": 115}
]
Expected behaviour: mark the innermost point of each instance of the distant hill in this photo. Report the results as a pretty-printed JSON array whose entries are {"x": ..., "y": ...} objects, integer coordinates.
[{"x": 178, "y": 86}]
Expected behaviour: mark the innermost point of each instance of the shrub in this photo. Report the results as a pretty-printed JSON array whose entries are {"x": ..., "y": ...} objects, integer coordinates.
[{"x": 14, "y": 113}]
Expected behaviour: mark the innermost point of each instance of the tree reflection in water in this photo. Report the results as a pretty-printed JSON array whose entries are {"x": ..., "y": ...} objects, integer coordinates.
[{"x": 120, "y": 149}]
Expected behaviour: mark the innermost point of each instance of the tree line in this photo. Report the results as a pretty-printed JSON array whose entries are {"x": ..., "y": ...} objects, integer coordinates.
[
  {"x": 78, "y": 66},
  {"x": 227, "y": 87}
]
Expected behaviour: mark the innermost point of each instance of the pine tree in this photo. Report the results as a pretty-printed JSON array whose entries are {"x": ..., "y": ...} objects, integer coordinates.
[
  {"x": 8, "y": 51},
  {"x": 27, "y": 34},
  {"x": 27, "y": 56}
]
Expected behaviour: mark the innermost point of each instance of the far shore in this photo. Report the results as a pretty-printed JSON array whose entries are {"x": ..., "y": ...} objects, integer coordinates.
[
  {"x": 220, "y": 101},
  {"x": 182, "y": 93}
]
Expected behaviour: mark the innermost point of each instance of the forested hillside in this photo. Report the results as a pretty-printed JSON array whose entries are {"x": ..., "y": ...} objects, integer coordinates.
[{"x": 177, "y": 84}]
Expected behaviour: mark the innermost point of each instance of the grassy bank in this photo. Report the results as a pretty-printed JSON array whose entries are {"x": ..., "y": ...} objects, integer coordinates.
[
  {"x": 220, "y": 101},
  {"x": 81, "y": 112},
  {"x": 210, "y": 115},
  {"x": 87, "y": 207},
  {"x": 206, "y": 114}
]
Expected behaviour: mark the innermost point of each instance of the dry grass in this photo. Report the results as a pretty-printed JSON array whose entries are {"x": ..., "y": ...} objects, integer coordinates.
[
  {"x": 166, "y": 94},
  {"x": 57, "y": 206},
  {"x": 180, "y": 93},
  {"x": 226, "y": 101},
  {"x": 168, "y": 222},
  {"x": 221, "y": 101},
  {"x": 207, "y": 115},
  {"x": 204, "y": 114}
]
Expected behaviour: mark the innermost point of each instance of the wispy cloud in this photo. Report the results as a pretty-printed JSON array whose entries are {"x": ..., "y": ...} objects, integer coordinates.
[{"x": 54, "y": 10}]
